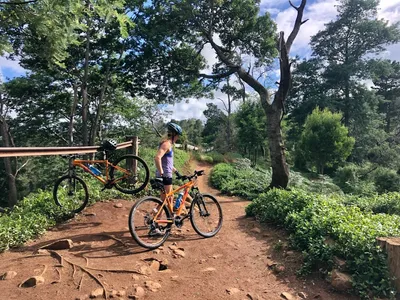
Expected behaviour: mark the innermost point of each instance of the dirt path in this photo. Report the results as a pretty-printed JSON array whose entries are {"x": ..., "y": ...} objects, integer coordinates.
[{"x": 232, "y": 265}]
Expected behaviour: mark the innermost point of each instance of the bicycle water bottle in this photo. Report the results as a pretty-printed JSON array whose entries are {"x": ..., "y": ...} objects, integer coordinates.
[
  {"x": 94, "y": 170},
  {"x": 178, "y": 200}
]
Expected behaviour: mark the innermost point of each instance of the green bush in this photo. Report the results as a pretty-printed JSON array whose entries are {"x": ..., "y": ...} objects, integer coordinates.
[
  {"x": 386, "y": 203},
  {"x": 312, "y": 219},
  {"x": 241, "y": 179},
  {"x": 386, "y": 180},
  {"x": 353, "y": 179}
]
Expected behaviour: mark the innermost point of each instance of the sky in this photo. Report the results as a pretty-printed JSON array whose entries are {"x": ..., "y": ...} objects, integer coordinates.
[{"x": 319, "y": 12}]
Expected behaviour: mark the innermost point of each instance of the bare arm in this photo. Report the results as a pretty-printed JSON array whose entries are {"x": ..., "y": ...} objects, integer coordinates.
[{"x": 160, "y": 153}]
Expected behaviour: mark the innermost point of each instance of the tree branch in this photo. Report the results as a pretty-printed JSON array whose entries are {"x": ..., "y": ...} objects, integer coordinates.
[
  {"x": 223, "y": 102},
  {"x": 292, "y": 5},
  {"x": 219, "y": 76},
  {"x": 20, "y": 168},
  {"x": 220, "y": 53},
  {"x": 297, "y": 24}
]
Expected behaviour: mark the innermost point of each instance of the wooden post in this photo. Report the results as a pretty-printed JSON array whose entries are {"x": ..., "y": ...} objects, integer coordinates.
[
  {"x": 135, "y": 145},
  {"x": 134, "y": 149},
  {"x": 391, "y": 246}
]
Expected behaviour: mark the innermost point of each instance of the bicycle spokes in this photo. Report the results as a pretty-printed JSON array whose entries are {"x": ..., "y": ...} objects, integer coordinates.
[
  {"x": 130, "y": 174},
  {"x": 206, "y": 215},
  {"x": 150, "y": 222}
]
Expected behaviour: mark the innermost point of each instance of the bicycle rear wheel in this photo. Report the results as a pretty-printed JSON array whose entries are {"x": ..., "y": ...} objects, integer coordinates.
[
  {"x": 145, "y": 230},
  {"x": 71, "y": 193},
  {"x": 131, "y": 174},
  {"x": 206, "y": 215}
]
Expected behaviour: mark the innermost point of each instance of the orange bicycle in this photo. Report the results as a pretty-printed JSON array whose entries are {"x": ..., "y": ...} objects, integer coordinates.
[
  {"x": 128, "y": 174},
  {"x": 151, "y": 219}
]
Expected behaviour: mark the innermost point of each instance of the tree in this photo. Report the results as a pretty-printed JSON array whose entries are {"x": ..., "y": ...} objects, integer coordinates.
[
  {"x": 343, "y": 46},
  {"x": 215, "y": 119},
  {"x": 250, "y": 122},
  {"x": 235, "y": 29},
  {"x": 233, "y": 94},
  {"x": 386, "y": 78},
  {"x": 57, "y": 24},
  {"x": 7, "y": 141},
  {"x": 325, "y": 141}
]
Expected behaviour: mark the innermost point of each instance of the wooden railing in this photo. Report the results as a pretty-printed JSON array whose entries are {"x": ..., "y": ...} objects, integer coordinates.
[{"x": 132, "y": 143}]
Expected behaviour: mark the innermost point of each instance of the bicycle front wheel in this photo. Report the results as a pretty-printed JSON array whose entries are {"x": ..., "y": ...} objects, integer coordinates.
[
  {"x": 206, "y": 215},
  {"x": 130, "y": 174},
  {"x": 146, "y": 229},
  {"x": 71, "y": 193}
]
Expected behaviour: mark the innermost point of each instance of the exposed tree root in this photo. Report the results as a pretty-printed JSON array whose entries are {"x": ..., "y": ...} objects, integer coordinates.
[{"x": 88, "y": 270}]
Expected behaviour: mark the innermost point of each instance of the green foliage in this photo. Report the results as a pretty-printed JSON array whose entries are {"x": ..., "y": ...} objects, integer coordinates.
[
  {"x": 313, "y": 219},
  {"x": 251, "y": 128},
  {"x": 241, "y": 179},
  {"x": 215, "y": 120},
  {"x": 352, "y": 179},
  {"x": 386, "y": 180},
  {"x": 57, "y": 25},
  {"x": 386, "y": 203},
  {"x": 214, "y": 157},
  {"x": 324, "y": 141}
]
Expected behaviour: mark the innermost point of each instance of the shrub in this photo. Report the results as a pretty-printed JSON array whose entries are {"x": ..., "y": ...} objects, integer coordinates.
[
  {"x": 312, "y": 219},
  {"x": 352, "y": 179},
  {"x": 386, "y": 180},
  {"x": 325, "y": 141}
]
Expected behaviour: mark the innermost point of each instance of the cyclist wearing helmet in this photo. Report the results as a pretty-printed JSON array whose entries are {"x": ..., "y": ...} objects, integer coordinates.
[{"x": 164, "y": 158}]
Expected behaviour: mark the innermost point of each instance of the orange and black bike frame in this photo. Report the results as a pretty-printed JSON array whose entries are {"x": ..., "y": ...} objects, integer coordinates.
[
  {"x": 81, "y": 163},
  {"x": 168, "y": 201}
]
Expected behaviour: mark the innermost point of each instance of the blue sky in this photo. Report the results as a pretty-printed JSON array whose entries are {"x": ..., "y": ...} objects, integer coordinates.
[{"x": 319, "y": 12}]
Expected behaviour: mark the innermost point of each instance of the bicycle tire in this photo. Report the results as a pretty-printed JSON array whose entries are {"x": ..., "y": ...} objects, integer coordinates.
[
  {"x": 63, "y": 192},
  {"x": 139, "y": 179},
  {"x": 140, "y": 233},
  {"x": 202, "y": 205}
]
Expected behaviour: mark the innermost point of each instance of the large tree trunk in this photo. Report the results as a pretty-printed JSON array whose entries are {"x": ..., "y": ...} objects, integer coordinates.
[
  {"x": 280, "y": 170},
  {"x": 12, "y": 185},
  {"x": 274, "y": 111}
]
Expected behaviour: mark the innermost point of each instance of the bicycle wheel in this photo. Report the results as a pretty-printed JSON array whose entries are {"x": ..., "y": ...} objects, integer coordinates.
[
  {"x": 206, "y": 215},
  {"x": 71, "y": 193},
  {"x": 146, "y": 231},
  {"x": 131, "y": 174}
]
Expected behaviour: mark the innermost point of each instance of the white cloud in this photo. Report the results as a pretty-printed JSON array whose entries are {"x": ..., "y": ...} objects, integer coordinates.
[
  {"x": 318, "y": 13},
  {"x": 12, "y": 67},
  {"x": 321, "y": 12},
  {"x": 195, "y": 107},
  {"x": 11, "y": 64}
]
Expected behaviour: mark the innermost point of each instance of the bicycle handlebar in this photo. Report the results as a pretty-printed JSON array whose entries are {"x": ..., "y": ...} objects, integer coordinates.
[{"x": 189, "y": 177}]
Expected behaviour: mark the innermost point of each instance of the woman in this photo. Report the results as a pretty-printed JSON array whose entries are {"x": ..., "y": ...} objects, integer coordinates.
[{"x": 164, "y": 158}]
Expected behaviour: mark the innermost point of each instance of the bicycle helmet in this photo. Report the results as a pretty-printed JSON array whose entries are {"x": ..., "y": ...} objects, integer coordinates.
[
  {"x": 109, "y": 145},
  {"x": 174, "y": 128}
]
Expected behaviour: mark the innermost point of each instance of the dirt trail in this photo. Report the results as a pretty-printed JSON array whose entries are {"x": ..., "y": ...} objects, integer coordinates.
[{"x": 232, "y": 265}]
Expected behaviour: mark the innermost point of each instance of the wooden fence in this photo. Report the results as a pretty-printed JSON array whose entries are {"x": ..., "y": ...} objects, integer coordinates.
[{"x": 132, "y": 144}]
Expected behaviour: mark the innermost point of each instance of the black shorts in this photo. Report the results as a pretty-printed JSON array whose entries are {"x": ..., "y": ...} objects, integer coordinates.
[{"x": 167, "y": 180}]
